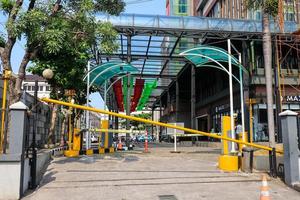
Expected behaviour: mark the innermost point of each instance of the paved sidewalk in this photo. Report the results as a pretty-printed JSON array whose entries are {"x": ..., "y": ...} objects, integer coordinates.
[{"x": 159, "y": 175}]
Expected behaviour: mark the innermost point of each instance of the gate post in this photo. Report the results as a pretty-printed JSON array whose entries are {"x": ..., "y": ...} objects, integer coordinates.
[
  {"x": 13, "y": 172},
  {"x": 289, "y": 130}
]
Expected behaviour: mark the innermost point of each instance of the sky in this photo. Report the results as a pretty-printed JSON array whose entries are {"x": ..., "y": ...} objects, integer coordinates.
[{"x": 151, "y": 7}]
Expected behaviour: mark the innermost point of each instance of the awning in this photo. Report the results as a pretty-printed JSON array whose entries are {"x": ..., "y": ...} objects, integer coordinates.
[
  {"x": 99, "y": 74},
  {"x": 203, "y": 55}
]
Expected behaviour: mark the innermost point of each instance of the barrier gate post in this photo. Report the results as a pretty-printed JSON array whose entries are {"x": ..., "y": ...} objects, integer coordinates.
[{"x": 290, "y": 130}]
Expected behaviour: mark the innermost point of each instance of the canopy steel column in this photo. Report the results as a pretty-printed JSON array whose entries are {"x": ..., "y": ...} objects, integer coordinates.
[
  {"x": 177, "y": 100},
  {"x": 168, "y": 98},
  {"x": 193, "y": 96},
  {"x": 128, "y": 89},
  {"x": 87, "y": 117},
  {"x": 246, "y": 60},
  {"x": 193, "y": 101},
  {"x": 160, "y": 115},
  {"x": 152, "y": 126},
  {"x": 105, "y": 94},
  {"x": 116, "y": 122}
]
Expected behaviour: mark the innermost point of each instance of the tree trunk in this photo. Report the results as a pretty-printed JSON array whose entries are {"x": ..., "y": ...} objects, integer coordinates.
[
  {"x": 52, "y": 125},
  {"x": 267, "y": 49}
]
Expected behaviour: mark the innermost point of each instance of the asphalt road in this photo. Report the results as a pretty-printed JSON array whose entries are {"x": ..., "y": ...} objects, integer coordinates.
[{"x": 158, "y": 175}]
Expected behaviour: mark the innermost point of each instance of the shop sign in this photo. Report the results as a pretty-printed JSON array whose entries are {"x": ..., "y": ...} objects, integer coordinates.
[
  {"x": 222, "y": 107},
  {"x": 293, "y": 98}
]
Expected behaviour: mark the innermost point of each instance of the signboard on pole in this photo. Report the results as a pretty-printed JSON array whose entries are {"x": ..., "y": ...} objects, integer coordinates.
[{"x": 171, "y": 131}]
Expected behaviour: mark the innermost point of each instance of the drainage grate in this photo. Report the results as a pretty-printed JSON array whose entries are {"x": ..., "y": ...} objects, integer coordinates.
[{"x": 167, "y": 197}]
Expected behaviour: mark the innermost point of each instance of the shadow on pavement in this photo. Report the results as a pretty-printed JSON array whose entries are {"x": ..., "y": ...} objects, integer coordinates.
[
  {"x": 156, "y": 184},
  {"x": 143, "y": 179},
  {"x": 143, "y": 171}
]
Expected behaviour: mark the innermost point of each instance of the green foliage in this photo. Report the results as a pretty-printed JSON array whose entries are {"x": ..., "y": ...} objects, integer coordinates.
[
  {"x": 6, "y": 5},
  {"x": 107, "y": 36},
  {"x": 139, "y": 125},
  {"x": 113, "y": 7},
  {"x": 269, "y": 6},
  {"x": 2, "y": 41},
  {"x": 65, "y": 40}
]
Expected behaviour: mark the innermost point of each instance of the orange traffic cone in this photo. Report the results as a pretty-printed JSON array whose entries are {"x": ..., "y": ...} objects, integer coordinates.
[{"x": 264, "y": 190}]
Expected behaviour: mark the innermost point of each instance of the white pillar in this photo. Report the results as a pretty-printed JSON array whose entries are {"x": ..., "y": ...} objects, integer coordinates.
[{"x": 231, "y": 96}]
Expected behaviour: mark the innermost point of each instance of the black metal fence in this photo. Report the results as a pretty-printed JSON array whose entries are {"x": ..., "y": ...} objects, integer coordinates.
[{"x": 43, "y": 121}]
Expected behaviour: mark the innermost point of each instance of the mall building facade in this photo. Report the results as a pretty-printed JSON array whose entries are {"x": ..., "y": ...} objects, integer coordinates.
[{"x": 200, "y": 96}]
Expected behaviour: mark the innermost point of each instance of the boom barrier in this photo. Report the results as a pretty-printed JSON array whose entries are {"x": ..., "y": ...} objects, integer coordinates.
[{"x": 196, "y": 132}]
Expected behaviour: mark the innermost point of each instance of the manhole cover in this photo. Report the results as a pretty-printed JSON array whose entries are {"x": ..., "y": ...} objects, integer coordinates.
[{"x": 167, "y": 197}]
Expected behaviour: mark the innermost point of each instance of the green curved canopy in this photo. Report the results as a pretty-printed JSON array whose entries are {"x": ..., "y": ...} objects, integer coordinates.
[
  {"x": 206, "y": 54},
  {"x": 99, "y": 74}
]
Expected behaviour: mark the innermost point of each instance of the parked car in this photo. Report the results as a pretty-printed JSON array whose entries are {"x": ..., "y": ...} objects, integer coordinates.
[{"x": 141, "y": 138}]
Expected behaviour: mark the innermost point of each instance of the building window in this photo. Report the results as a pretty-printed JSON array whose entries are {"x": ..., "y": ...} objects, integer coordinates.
[
  {"x": 182, "y": 6},
  {"x": 28, "y": 88},
  {"x": 48, "y": 88},
  {"x": 289, "y": 10},
  {"x": 216, "y": 10},
  {"x": 41, "y": 88},
  {"x": 255, "y": 14},
  {"x": 25, "y": 87}
]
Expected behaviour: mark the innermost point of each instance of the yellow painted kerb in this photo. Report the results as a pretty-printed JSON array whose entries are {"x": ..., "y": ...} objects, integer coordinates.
[
  {"x": 89, "y": 152},
  {"x": 101, "y": 150},
  {"x": 111, "y": 150},
  {"x": 71, "y": 153}
]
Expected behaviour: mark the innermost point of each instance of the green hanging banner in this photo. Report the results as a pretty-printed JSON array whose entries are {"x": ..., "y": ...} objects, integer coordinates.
[
  {"x": 125, "y": 90},
  {"x": 146, "y": 94}
]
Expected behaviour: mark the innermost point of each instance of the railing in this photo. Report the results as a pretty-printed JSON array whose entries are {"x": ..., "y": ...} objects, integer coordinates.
[{"x": 192, "y": 23}]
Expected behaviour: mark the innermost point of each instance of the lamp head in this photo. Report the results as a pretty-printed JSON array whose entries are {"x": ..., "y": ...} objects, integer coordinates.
[{"x": 48, "y": 74}]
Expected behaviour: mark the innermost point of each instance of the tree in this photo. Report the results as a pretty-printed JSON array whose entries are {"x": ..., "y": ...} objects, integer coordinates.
[
  {"x": 138, "y": 125},
  {"x": 52, "y": 28},
  {"x": 269, "y": 8},
  {"x": 59, "y": 36}
]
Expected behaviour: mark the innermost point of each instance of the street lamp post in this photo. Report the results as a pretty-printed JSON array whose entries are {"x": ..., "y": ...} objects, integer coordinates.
[{"x": 47, "y": 74}]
